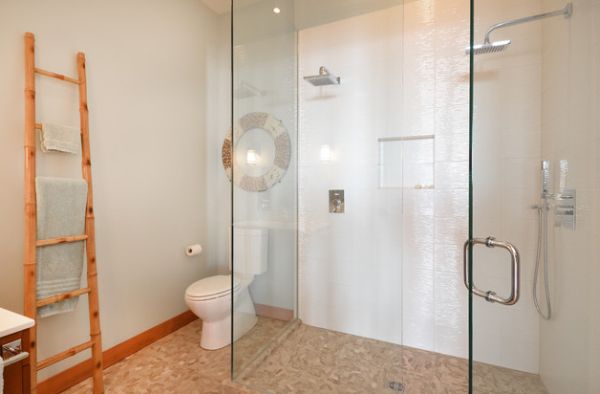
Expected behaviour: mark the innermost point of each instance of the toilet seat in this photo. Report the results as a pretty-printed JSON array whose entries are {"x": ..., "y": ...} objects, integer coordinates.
[{"x": 211, "y": 287}]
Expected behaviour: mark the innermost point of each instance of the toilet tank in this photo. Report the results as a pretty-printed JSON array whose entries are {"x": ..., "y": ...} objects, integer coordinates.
[{"x": 250, "y": 250}]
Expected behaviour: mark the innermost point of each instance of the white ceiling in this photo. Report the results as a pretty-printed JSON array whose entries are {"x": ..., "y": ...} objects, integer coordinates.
[
  {"x": 218, "y": 6},
  {"x": 309, "y": 13},
  {"x": 224, "y": 6}
]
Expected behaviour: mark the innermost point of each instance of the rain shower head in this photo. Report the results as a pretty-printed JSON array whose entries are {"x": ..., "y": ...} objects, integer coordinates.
[
  {"x": 246, "y": 90},
  {"x": 490, "y": 47},
  {"x": 324, "y": 78}
]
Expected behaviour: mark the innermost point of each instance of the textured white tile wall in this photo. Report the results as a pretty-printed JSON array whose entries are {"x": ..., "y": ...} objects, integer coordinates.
[
  {"x": 350, "y": 274},
  {"x": 414, "y": 237},
  {"x": 451, "y": 96},
  {"x": 570, "y": 348},
  {"x": 507, "y": 151},
  {"x": 396, "y": 250}
]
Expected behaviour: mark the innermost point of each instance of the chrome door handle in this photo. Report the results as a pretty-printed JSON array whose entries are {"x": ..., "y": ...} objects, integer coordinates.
[{"x": 490, "y": 295}]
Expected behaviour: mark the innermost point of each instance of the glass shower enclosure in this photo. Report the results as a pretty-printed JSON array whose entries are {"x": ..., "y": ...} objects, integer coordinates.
[
  {"x": 400, "y": 177},
  {"x": 535, "y": 182}
]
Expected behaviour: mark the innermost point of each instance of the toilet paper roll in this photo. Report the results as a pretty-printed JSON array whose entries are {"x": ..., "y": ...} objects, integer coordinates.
[{"x": 193, "y": 250}]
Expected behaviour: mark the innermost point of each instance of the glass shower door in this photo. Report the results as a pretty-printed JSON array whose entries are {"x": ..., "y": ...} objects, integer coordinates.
[
  {"x": 330, "y": 77},
  {"x": 535, "y": 138}
]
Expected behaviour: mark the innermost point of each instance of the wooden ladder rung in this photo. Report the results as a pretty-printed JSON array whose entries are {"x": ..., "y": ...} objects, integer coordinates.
[
  {"x": 63, "y": 355},
  {"x": 61, "y": 297},
  {"x": 61, "y": 240},
  {"x": 38, "y": 126},
  {"x": 56, "y": 76}
]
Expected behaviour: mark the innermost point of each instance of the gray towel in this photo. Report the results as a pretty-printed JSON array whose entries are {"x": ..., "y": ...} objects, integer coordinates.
[
  {"x": 61, "y": 206},
  {"x": 60, "y": 138}
]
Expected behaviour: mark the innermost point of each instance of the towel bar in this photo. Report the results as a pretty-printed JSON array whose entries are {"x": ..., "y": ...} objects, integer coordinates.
[
  {"x": 60, "y": 240},
  {"x": 11, "y": 353},
  {"x": 61, "y": 297},
  {"x": 15, "y": 359}
]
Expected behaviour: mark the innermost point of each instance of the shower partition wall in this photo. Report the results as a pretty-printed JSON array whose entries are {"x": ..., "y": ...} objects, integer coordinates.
[{"x": 263, "y": 166}]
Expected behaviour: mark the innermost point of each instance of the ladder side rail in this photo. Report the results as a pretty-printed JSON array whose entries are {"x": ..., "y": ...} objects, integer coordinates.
[
  {"x": 29, "y": 271},
  {"x": 92, "y": 273}
]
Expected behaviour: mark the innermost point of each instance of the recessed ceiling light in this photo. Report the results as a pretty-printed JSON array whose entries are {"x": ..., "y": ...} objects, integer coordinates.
[{"x": 276, "y": 10}]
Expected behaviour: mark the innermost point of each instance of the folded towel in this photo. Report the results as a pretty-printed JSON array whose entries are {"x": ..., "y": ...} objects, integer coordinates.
[
  {"x": 60, "y": 138},
  {"x": 61, "y": 206}
]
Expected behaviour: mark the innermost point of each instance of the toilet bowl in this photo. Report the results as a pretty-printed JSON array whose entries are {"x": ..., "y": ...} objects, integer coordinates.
[{"x": 210, "y": 298}]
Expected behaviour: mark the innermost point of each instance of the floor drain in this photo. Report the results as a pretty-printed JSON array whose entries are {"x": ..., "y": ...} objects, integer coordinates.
[{"x": 396, "y": 386}]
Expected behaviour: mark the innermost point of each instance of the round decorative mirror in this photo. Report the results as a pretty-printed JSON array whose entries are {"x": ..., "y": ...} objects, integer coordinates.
[{"x": 262, "y": 152}]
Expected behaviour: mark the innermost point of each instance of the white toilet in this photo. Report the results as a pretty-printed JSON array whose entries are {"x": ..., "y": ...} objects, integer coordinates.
[{"x": 210, "y": 298}]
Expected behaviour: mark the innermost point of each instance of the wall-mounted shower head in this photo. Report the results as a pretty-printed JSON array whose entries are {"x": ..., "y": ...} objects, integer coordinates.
[
  {"x": 490, "y": 47},
  {"x": 324, "y": 78}
]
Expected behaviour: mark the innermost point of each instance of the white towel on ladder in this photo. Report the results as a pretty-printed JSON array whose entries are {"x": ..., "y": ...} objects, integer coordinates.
[{"x": 60, "y": 138}]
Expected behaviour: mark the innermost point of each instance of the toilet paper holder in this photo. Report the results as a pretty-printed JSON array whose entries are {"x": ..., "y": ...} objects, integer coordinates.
[{"x": 193, "y": 250}]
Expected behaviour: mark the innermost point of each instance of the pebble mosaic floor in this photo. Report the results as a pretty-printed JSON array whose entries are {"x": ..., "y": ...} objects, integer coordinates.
[{"x": 311, "y": 360}]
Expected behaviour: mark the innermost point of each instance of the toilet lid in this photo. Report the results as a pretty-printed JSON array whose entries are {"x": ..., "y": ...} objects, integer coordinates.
[{"x": 212, "y": 286}]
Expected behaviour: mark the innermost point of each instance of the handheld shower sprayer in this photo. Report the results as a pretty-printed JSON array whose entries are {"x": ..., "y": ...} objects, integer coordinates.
[{"x": 541, "y": 257}]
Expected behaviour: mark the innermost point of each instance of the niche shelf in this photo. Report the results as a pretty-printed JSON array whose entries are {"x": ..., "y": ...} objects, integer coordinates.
[{"x": 406, "y": 162}]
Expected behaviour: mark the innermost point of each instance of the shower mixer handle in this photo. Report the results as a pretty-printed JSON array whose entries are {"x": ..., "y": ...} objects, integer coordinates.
[{"x": 515, "y": 259}]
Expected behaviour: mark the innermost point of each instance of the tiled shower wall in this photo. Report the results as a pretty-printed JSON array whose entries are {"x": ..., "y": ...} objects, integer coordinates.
[
  {"x": 390, "y": 267},
  {"x": 506, "y": 180},
  {"x": 349, "y": 264},
  {"x": 570, "y": 344}
]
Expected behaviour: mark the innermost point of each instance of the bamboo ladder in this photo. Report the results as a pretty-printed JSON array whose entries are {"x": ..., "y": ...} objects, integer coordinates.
[{"x": 31, "y": 241}]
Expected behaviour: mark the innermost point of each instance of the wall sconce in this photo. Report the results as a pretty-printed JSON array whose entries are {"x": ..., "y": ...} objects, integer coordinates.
[
  {"x": 325, "y": 153},
  {"x": 251, "y": 157},
  {"x": 276, "y": 8}
]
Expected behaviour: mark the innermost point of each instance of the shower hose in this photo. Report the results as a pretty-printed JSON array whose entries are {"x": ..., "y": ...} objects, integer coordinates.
[{"x": 542, "y": 254}]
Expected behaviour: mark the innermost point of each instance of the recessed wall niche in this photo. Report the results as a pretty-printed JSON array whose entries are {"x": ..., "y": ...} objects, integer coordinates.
[{"x": 406, "y": 162}]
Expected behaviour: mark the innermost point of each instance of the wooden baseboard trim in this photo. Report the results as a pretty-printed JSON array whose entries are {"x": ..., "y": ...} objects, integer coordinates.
[
  {"x": 274, "y": 312},
  {"x": 78, "y": 373}
]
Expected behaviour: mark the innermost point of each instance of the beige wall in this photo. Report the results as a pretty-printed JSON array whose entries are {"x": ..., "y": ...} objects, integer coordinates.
[{"x": 151, "y": 110}]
